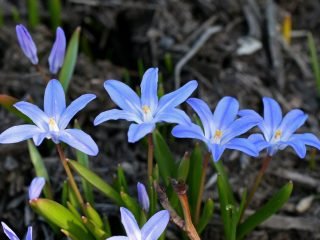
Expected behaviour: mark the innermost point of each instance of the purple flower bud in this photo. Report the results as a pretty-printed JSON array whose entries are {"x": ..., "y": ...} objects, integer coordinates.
[
  {"x": 58, "y": 50},
  {"x": 27, "y": 44},
  {"x": 143, "y": 197},
  {"x": 36, "y": 187}
]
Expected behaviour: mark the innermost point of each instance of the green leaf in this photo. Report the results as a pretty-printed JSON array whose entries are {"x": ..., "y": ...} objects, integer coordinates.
[
  {"x": 314, "y": 60},
  {"x": 33, "y": 13},
  {"x": 96, "y": 181},
  {"x": 40, "y": 168},
  {"x": 7, "y": 102},
  {"x": 184, "y": 166},
  {"x": 131, "y": 204},
  {"x": 93, "y": 215},
  {"x": 60, "y": 216},
  {"x": 271, "y": 207},
  {"x": 194, "y": 178},
  {"x": 206, "y": 215},
  {"x": 164, "y": 157},
  {"x": 83, "y": 159},
  {"x": 122, "y": 181},
  {"x": 70, "y": 60},
  {"x": 55, "y": 13},
  {"x": 97, "y": 232}
]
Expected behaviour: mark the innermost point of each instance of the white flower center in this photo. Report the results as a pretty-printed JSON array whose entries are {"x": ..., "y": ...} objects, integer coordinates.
[
  {"x": 53, "y": 127},
  {"x": 147, "y": 114}
]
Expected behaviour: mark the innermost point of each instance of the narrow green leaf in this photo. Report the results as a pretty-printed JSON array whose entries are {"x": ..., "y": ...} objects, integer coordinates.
[
  {"x": 206, "y": 215},
  {"x": 271, "y": 207},
  {"x": 314, "y": 60},
  {"x": 83, "y": 159},
  {"x": 60, "y": 216},
  {"x": 97, "y": 232},
  {"x": 107, "y": 227},
  {"x": 55, "y": 13},
  {"x": 194, "y": 178},
  {"x": 7, "y": 102},
  {"x": 40, "y": 168},
  {"x": 224, "y": 177},
  {"x": 33, "y": 13},
  {"x": 69, "y": 235},
  {"x": 164, "y": 157},
  {"x": 64, "y": 195},
  {"x": 184, "y": 166},
  {"x": 93, "y": 215},
  {"x": 131, "y": 204},
  {"x": 96, "y": 181},
  {"x": 122, "y": 181},
  {"x": 70, "y": 60},
  {"x": 73, "y": 210}
]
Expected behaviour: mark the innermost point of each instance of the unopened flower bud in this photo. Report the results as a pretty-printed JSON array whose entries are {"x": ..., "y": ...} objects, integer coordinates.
[
  {"x": 26, "y": 43},
  {"x": 36, "y": 187},
  {"x": 143, "y": 197},
  {"x": 58, "y": 50}
]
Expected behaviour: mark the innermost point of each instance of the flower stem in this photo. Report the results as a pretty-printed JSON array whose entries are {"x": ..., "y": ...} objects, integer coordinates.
[
  {"x": 202, "y": 181},
  {"x": 71, "y": 180},
  {"x": 150, "y": 155},
  {"x": 181, "y": 190},
  {"x": 257, "y": 182}
]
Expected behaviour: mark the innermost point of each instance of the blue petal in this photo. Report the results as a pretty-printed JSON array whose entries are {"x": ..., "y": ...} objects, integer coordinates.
[
  {"x": 19, "y": 133},
  {"x": 138, "y": 131},
  {"x": 307, "y": 138},
  {"x": 216, "y": 151},
  {"x": 34, "y": 113},
  {"x": 258, "y": 140},
  {"x": 143, "y": 197},
  {"x": 189, "y": 131},
  {"x": 36, "y": 187},
  {"x": 225, "y": 112},
  {"x": 149, "y": 89},
  {"x": 177, "y": 97},
  {"x": 239, "y": 127},
  {"x": 155, "y": 226},
  {"x": 173, "y": 116},
  {"x": 298, "y": 147},
  {"x": 118, "y": 238},
  {"x": 27, "y": 44},
  {"x": 243, "y": 145},
  {"x": 291, "y": 122},
  {"x": 29, "y": 233},
  {"x": 74, "y": 108},
  {"x": 205, "y": 115},
  {"x": 272, "y": 117},
  {"x": 54, "y": 99},
  {"x": 9, "y": 233},
  {"x": 249, "y": 113},
  {"x": 79, "y": 140},
  {"x": 38, "y": 138},
  {"x": 116, "y": 114},
  {"x": 123, "y": 96},
  {"x": 130, "y": 224},
  {"x": 56, "y": 57}
]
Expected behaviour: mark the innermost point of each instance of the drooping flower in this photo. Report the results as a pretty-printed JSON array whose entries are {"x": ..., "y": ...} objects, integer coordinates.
[
  {"x": 143, "y": 197},
  {"x": 52, "y": 122},
  {"x": 27, "y": 44},
  {"x": 220, "y": 129},
  {"x": 56, "y": 57},
  {"x": 151, "y": 230},
  {"x": 36, "y": 187},
  {"x": 279, "y": 132},
  {"x": 12, "y": 236},
  {"x": 147, "y": 110}
]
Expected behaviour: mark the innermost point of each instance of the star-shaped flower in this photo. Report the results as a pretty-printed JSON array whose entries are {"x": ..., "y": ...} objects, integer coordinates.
[
  {"x": 52, "y": 122},
  {"x": 221, "y": 128},
  {"x": 147, "y": 110},
  {"x": 151, "y": 230},
  {"x": 279, "y": 132}
]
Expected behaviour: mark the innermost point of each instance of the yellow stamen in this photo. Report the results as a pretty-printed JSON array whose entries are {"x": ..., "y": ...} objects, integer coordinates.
[
  {"x": 146, "y": 109},
  {"x": 53, "y": 125},
  {"x": 278, "y": 134},
  {"x": 217, "y": 135}
]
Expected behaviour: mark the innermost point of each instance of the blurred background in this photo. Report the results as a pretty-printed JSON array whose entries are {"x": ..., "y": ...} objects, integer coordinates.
[{"x": 242, "y": 48}]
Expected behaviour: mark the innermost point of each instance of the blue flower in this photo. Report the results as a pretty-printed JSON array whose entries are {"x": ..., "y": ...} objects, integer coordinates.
[
  {"x": 152, "y": 230},
  {"x": 56, "y": 57},
  {"x": 220, "y": 129},
  {"x": 36, "y": 187},
  {"x": 12, "y": 236},
  {"x": 51, "y": 122},
  {"x": 143, "y": 197},
  {"x": 278, "y": 132},
  {"x": 27, "y": 44},
  {"x": 147, "y": 110}
]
